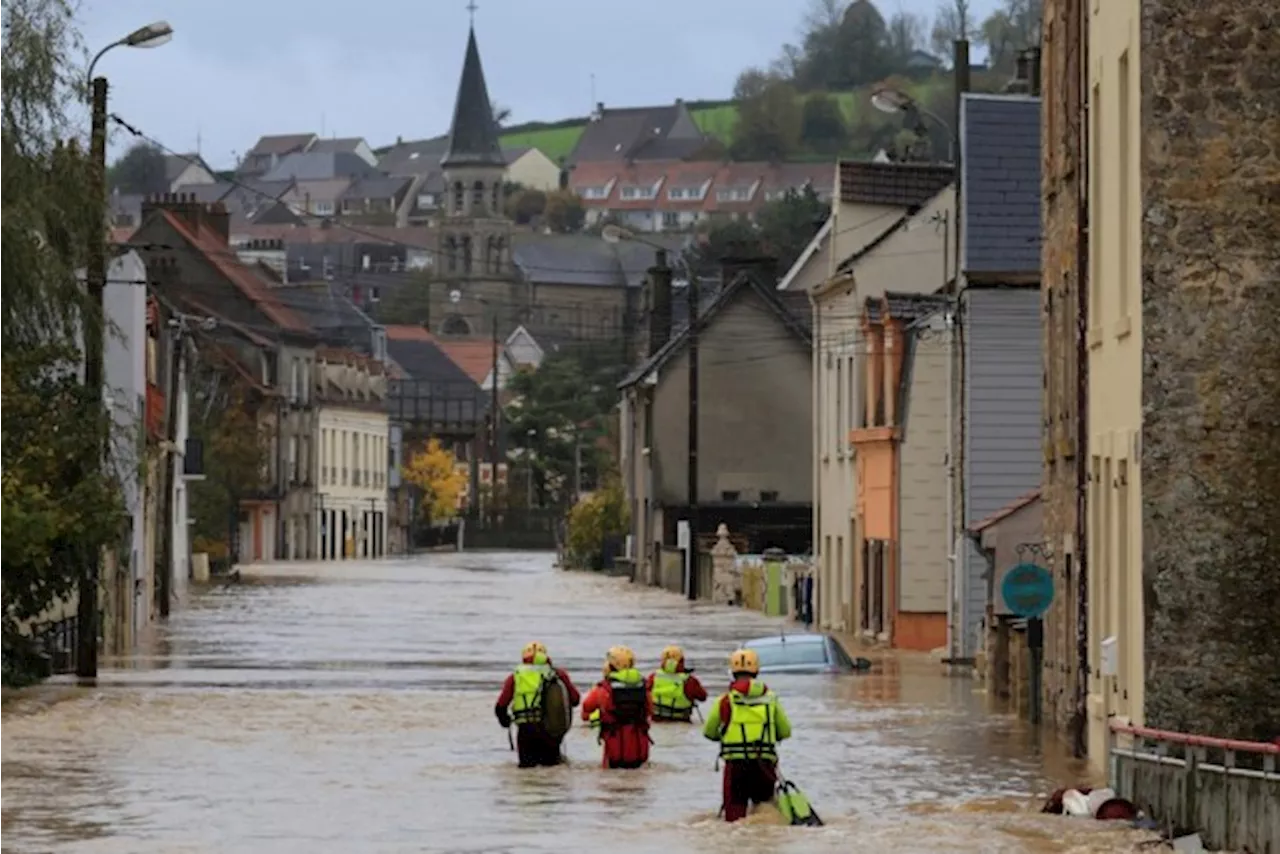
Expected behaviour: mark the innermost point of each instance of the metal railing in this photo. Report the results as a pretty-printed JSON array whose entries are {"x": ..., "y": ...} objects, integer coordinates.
[{"x": 1227, "y": 790}]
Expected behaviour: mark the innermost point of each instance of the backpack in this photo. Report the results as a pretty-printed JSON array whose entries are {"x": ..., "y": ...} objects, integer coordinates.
[
  {"x": 794, "y": 806},
  {"x": 629, "y": 704},
  {"x": 556, "y": 713}
]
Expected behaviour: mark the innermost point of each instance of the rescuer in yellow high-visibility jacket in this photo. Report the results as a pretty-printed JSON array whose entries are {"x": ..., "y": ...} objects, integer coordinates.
[{"x": 673, "y": 688}]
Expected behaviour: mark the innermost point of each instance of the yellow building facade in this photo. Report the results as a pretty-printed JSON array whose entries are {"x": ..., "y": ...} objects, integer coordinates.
[{"x": 1114, "y": 525}]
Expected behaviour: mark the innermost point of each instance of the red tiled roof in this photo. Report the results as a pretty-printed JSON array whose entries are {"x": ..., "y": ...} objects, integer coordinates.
[
  {"x": 249, "y": 283},
  {"x": 757, "y": 178},
  {"x": 474, "y": 356},
  {"x": 1006, "y": 511},
  {"x": 407, "y": 332}
]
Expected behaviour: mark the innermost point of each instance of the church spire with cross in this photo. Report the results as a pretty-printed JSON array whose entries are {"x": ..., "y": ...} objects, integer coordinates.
[{"x": 473, "y": 136}]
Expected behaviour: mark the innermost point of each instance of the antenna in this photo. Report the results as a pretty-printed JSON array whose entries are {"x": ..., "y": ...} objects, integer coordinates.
[{"x": 593, "y": 90}]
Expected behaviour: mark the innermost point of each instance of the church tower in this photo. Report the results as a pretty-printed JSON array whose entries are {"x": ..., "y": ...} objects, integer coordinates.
[{"x": 474, "y": 233}]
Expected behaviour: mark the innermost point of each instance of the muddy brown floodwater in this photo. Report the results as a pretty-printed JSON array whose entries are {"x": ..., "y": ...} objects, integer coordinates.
[{"x": 349, "y": 708}]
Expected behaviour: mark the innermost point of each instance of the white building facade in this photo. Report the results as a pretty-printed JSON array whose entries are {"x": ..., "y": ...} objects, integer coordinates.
[{"x": 353, "y": 433}]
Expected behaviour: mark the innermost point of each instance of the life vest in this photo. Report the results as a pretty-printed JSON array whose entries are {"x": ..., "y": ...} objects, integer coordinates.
[
  {"x": 669, "y": 700},
  {"x": 751, "y": 731},
  {"x": 526, "y": 703},
  {"x": 630, "y": 701},
  {"x": 594, "y": 721}
]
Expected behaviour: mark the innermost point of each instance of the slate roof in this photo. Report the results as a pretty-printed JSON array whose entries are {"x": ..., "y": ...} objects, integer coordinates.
[
  {"x": 347, "y": 144},
  {"x": 1000, "y": 156},
  {"x": 326, "y": 310},
  {"x": 904, "y": 307},
  {"x": 744, "y": 279},
  {"x": 434, "y": 388},
  {"x": 584, "y": 259},
  {"x": 635, "y": 133},
  {"x": 320, "y": 166},
  {"x": 417, "y": 157},
  {"x": 282, "y": 143},
  {"x": 903, "y": 185},
  {"x": 376, "y": 187},
  {"x": 473, "y": 135},
  {"x": 176, "y": 164}
]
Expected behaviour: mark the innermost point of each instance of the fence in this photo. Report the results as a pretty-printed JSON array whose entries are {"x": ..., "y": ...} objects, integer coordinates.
[
  {"x": 51, "y": 648},
  {"x": 532, "y": 529},
  {"x": 1228, "y": 791}
]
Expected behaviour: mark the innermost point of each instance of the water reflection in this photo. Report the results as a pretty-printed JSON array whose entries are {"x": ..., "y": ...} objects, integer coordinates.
[{"x": 349, "y": 708}]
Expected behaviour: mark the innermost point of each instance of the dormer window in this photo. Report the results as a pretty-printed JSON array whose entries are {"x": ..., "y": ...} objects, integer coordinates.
[
  {"x": 633, "y": 192},
  {"x": 734, "y": 194},
  {"x": 595, "y": 192},
  {"x": 687, "y": 194}
]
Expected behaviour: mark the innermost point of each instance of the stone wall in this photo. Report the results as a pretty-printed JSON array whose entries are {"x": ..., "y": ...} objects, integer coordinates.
[
  {"x": 1211, "y": 373},
  {"x": 1061, "y": 183}
]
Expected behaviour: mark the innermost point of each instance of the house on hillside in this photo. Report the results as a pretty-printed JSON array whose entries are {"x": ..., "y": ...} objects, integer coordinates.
[
  {"x": 268, "y": 151},
  {"x": 346, "y": 145},
  {"x": 754, "y": 414},
  {"x": 529, "y": 167},
  {"x": 183, "y": 170},
  {"x": 887, "y": 232},
  {"x": 638, "y": 133},
  {"x": 377, "y": 199}
]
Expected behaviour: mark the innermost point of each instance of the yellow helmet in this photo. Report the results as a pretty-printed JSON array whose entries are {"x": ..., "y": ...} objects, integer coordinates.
[
  {"x": 534, "y": 652},
  {"x": 671, "y": 658},
  {"x": 745, "y": 661},
  {"x": 619, "y": 658}
]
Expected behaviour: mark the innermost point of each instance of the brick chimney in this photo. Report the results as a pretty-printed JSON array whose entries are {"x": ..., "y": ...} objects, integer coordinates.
[
  {"x": 212, "y": 218},
  {"x": 659, "y": 302}
]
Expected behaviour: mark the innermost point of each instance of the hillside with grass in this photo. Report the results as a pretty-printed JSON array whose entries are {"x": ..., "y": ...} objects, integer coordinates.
[{"x": 719, "y": 119}]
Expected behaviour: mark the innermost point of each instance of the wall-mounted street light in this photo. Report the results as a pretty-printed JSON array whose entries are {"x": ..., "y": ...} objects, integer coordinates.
[
  {"x": 152, "y": 35},
  {"x": 886, "y": 99}
]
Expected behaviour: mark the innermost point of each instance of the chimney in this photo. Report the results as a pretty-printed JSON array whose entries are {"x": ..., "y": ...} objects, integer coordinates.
[
  {"x": 1033, "y": 78},
  {"x": 218, "y": 220},
  {"x": 1021, "y": 82},
  {"x": 660, "y": 275}
]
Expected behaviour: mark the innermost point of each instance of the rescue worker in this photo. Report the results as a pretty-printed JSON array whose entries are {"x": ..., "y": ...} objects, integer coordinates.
[
  {"x": 748, "y": 722},
  {"x": 625, "y": 710},
  {"x": 673, "y": 689},
  {"x": 521, "y": 703}
]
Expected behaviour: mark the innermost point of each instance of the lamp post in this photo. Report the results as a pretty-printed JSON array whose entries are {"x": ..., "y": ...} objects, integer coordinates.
[
  {"x": 616, "y": 234},
  {"x": 894, "y": 101},
  {"x": 152, "y": 35}
]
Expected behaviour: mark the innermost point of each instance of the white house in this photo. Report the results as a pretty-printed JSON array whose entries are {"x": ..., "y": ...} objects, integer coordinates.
[{"x": 353, "y": 433}]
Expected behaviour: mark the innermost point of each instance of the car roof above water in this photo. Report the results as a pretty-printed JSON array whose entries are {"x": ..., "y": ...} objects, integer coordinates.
[{"x": 778, "y": 640}]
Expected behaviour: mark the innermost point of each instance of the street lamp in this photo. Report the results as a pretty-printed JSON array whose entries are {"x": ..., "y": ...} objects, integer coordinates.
[
  {"x": 893, "y": 101},
  {"x": 152, "y": 35},
  {"x": 616, "y": 234}
]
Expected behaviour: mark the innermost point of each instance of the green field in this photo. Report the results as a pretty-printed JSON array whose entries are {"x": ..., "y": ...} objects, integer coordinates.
[{"x": 558, "y": 140}]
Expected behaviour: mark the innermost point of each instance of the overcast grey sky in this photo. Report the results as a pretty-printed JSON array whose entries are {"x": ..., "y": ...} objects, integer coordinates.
[{"x": 237, "y": 69}]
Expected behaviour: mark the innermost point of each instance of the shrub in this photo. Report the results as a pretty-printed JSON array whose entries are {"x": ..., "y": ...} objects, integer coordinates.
[{"x": 595, "y": 518}]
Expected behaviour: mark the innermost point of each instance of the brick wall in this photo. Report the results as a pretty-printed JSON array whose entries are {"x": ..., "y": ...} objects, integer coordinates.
[
  {"x": 1211, "y": 375},
  {"x": 1061, "y": 187}
]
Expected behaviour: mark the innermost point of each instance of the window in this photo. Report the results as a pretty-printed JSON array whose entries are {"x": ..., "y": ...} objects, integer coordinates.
[
  {"x": 670, "y": 219},
  {"x": 293, "y": 459},
  {"x": 322, "y": 208},
  {"x": 426, "y": 201},
  {"x": 477, "y": 197},
  {"x": 595, "y": 192},
  {"x": 459, "y": 197},
  {"x": 792, "y": 652},
  {"x": 687, "y": 194},
  {"x": 638, "y": 193},
  {"x": 769, "y": 495},
  {"x": 729, "y": 495},
  {"x": 496, "y": 206},
  {"x": 1125, "y": 153},
  {"x": 295, "y": 382},
  {"x": 840, "y": 406},
  {"x": 734, "y": 194}
]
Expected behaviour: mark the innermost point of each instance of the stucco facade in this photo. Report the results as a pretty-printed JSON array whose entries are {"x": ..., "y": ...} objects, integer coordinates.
[
  {"x": 1115, "y": 370},
  {"x": 900, "y": 247}
]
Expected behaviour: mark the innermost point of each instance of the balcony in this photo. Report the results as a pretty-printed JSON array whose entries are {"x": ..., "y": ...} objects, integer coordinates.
[{"x": 154, "y": 411}]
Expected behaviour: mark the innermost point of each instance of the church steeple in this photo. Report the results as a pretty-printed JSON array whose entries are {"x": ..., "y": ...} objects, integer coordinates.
[{"x": 473, "y": 137}]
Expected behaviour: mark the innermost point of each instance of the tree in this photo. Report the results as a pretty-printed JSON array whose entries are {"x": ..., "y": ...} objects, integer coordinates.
[
  {"x": 822, "y": 126},
  {"x": 843, "y": 52},
  {"x": 1008, "y": 30},
  {"x": 952, "y": 22},
  {"x": 501, "y": 114},
  {"x": 61, "y": 500},
  {"x": 226, "y": 417},
  {"x": 595, "y": 518},
  {"x": 563, "y": 212},
  {"x": 905, "y": 36},
  {"x": 141, "y": 170},
  {"x": 524, "y": 206},
  {"x": 434, "y": 470},
  {"x": 769, "y": 117},
  {"x": 789, "y": 223}
]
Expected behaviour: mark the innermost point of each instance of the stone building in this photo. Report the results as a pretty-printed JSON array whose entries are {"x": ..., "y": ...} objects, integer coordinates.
[
  {"x": 1063, "y": 192},
  {"x": 1183, "y": 337}
]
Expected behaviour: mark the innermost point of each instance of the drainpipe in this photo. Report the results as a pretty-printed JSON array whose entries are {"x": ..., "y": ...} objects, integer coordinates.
[{"x": 815, "y": 433}]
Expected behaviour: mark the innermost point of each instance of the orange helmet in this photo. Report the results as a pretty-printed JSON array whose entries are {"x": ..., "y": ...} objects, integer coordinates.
[
  {"x": 745, "y": 661},
  {"x": 619, "y": 658},
  {"x": 672, "y": 657},
  {"x": 534, "y": 652}
]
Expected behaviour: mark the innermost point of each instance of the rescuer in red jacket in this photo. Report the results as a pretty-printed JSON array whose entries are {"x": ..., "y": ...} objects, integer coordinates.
[
  {"x": 625, "y": 710},
  {"x": 673, "y": 690},
  {"x": 521, "y": 703}
]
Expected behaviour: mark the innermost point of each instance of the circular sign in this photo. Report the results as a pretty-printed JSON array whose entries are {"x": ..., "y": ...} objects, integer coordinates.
[{"x": 1027, "y": 590}]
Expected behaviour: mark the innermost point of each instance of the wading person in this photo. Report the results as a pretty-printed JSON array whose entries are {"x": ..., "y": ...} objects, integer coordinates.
[
  {"x": 673, "y": 689},
  {"x": 538, "y": 698},
  {"x": 624, "y": 711},
  {"x": 748, "y": 722}
]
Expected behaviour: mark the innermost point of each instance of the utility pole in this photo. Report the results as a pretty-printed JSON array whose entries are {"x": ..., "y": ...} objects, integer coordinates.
[
  {"x": 693, "y": 434},
  {"x": 164, "y": 558},
  {"x": 493, "y": 426},
  {"x": 94, "y": 322},
  {"x": 1081, "y": 746}
]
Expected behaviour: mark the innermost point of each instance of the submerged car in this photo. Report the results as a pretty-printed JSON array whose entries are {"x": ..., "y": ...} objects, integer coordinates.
[{"x": 804, "y": 653}]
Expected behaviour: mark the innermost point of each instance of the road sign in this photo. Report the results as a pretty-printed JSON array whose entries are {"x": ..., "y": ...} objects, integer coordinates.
[{"x": 1028, "y": 590}]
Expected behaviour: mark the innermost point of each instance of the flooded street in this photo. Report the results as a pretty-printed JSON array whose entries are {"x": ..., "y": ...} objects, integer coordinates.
[{"x": 349, "y": 708}]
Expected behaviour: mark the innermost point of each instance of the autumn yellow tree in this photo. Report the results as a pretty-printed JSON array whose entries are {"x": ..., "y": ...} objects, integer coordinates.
[{"x": 434, "y": 470}]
